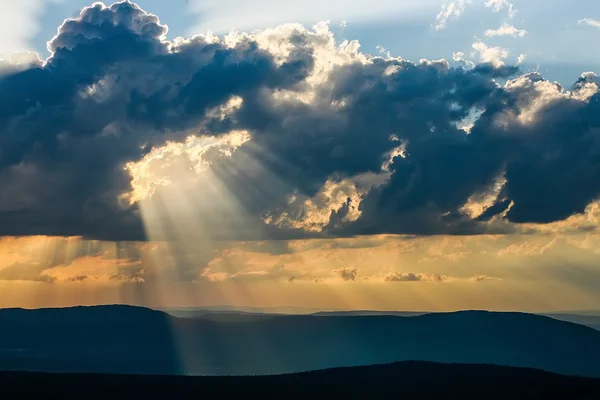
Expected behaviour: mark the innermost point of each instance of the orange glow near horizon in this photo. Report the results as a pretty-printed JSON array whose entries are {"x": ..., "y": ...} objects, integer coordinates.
[{"x": 499, "y": 273}]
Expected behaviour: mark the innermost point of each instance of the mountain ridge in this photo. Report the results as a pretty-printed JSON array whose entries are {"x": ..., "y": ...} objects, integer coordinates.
[{"x": 130, "y": 339}]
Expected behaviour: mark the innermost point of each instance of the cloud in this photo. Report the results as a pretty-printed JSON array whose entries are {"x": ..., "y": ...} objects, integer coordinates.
[
  {"x": 506, "y": 30},
  {"x": 414, "y": 277},
  {"x": 245, "y": 272},
  {"x": 347, "y": 274},
  {"x": 20, "y": 271},
  {"x": 450, "y": 10},
  {"x": 458, "y": 56},
  {"x": 526, "y": 248},
  {"x": 123, "y": 134},
  {"x": 65, "y": 259},
  {"x": 77, "y": 278},
  {"x": 277, "y": 272},
  {"x": 453, "y": 9},
  {"x": 130, "y": 275},
  {"x": 315, "y": 213},
  {"x": 492, "y": 55},
  {"x": 79, "y": 104},
  {"x": 481, "y": 278},
  {"x": 590, "y": 22},
  {"x": 498, "y": 5}
]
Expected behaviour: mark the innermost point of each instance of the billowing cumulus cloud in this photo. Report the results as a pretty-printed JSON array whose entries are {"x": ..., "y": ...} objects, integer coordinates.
[
  {"x": 125, "y": 134},
  {"x": 490, "y": 54}
]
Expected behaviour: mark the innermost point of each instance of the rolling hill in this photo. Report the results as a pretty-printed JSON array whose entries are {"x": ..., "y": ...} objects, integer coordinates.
[
  {"x": 406, "y": 380},
  {"x": 123, "y": 339}
]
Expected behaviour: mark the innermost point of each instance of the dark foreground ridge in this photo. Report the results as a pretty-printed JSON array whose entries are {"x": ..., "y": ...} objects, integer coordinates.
[
  {"x": 406, "y": 380},
  {"x": 132, "y": 340}
]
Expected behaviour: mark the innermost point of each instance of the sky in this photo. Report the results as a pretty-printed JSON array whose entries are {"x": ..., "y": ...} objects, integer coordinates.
[{"x": 432, "y": 155}]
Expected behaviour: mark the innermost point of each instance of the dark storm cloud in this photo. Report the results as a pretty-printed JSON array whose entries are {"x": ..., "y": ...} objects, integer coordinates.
[
  {"x": 115, "y": 88},
  {"x": 551, "y": 164},
  {"x": 558, "y": 174},
  {"x": 68, "y": 127},
  {"x": 419, "y": 103}
]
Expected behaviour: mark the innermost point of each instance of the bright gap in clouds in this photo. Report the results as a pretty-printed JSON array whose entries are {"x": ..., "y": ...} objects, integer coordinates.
[{"x": 165, "y": 164}]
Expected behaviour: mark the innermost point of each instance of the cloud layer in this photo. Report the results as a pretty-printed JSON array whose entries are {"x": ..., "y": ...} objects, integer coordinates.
[{"x": 289, "y": 134}]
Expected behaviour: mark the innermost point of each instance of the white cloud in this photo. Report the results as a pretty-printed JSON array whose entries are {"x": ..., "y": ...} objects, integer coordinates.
[
  {"x": 506, "y": 30},
  {"x": 458, "y": 56},
  {"x": 450, "y": 10},
  {"x": 590, "y": 22},
  {"x": 521, "y": 58},
  {"x": 493, "y": 55},
  {"x": 498, "y": 5},
  {"x": 453, "y": 9},
  {"x": 533, "y": 94}
]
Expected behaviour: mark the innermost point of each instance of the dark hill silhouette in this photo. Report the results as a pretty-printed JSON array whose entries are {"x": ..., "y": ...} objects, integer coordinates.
[
  {"x": 126, "y": 339},
  {"x": 406, "y": 380}
]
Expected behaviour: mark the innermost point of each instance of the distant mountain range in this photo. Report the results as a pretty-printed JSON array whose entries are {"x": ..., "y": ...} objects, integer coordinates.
[
  {"x": 306, "y": 310},
  {"x": 593, "y": 321},
  {"x": 124, "y": 339},
  {"x": 586, "y": 317},
  {"x": 406, "y": 380}
]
